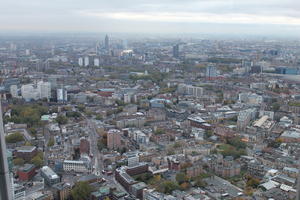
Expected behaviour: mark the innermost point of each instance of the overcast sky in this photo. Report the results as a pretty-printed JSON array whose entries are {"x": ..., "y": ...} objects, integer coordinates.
[{"x": 155, "y": 16}]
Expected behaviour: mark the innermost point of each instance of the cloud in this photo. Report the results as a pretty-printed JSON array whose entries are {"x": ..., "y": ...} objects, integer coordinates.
[
  {"x": 150, "y": 15},
  {"x": 235, "y": 18}
]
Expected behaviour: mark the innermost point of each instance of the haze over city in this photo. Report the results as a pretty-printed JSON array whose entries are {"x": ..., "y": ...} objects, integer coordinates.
[
  {"x": 251, "y": 17},
  {"x": 149, "y": 100}
]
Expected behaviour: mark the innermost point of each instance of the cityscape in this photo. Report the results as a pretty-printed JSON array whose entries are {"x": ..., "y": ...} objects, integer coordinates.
[{"x": 107, "y": 115}]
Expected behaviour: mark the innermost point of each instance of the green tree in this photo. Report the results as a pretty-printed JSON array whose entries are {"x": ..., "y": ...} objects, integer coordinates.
[
  {"x": 51, "y": 142},
  {"x": 181, "y": 178},
  {"x": 14, "y": 137},
  {"x": 37, "y": 161},
  {"x": 61, "y": 119},
  {"x": 81, "y": 191},
  {"x": 168, "y": 187},
  {"x": 18, "y": 161}
]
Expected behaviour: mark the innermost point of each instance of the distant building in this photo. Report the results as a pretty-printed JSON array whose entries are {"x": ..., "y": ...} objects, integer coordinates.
[
  {"x": 14, "y": 91},
  {"x": 96, "y": 62},
  {"x": 62, "y": 95},
  {"x": 113, "y": 139},
  {"x": 26, "y": 172},
  {"x": 26, "y": 152},
  {"x": 84, "y": 146},
  {"x": 44, "y": 89},
  {"x": 106, "y": 43},
  {"x": 211, "y": 72},
  {"x": 49, "y": 176},
  {"x": 80, "y": 61},
  {"x": 77, "y": 166},
  {"x": 176, "y": 51},
  {"x": 86, "y": 61}
]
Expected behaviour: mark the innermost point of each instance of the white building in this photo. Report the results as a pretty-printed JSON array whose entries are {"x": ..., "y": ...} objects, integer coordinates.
[
  {"x": 29, "y": 92},
  {"x": 96, "y": 62},
  {"x": 80, "y": 61},
  {"x": 77, "y": 166},
  {"x": 44, "y": 89},
  {"x": 62, "y": 95},
  {"x": 86, "y": 61},
  {"x": 14, "y": 91}
]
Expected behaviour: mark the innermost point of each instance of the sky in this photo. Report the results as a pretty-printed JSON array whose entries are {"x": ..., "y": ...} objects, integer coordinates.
[{"x": 281, "y": 17}]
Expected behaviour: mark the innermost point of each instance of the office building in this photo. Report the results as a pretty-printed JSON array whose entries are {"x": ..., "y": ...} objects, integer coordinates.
[
  {"x": 86, "y": 61},
  {"x": 113, "y": 139},
  {"x": 106, "y": 43},
  {"x": 211, "y": 72},
  {"x": 176, "y": 51},
  {"x": 44, "y": 89},
  {"x": 49, "y": 176},
  {"x": 29, "y": 92},
  {"x": 62, "y": 95},
  {"x": 77, "y": 166},
  {"x": 14, "y": 91},
  {"x": 96, "y": 62},
  {"x": 26, "y": 152},
  {"x": 80, "y": 61},
  {"x": 84, "y": 146}
]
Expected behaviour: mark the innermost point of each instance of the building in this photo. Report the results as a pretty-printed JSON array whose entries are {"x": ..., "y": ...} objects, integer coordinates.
[
  {"x": 44, "y": 89},
  {"x": 190, "y": 90},
  {"x": 96, "y": 62},
  {"x": 26, "y": 152},
  {"x": 26, "y": 172},
  {"x": 106, "y": 43},
  {"x": 80, "y": 61},
  {"x": 19, "y": 192},
  {"x": 86, "y": 61},
  {"x": 29, "y": 92},
  {"x": 176, "y": 51},
  {"x": 62, "y": 95},
  {"x": 113, "y": 139},
  {"x": 211, "y": 72},
  {"x": 14, "y": 91},
  {"x": 84, "y": 146},
  {"x": 76, "y": 166},
  {"x": 63, "y": 190},
  {"x": 49, "y": 176},
  {"x": 290, "y": 136}
]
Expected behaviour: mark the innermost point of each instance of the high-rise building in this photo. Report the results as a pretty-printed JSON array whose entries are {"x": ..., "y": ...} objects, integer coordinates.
[
  {"x": 96, "y": 62},
  {"x": 106, "y": 43},
  {"x": 5, "y": 189},
  {"x": 113, "y": 139},
  {"x": 176, "y": 51},
  {"x": 29, "y": 92},
  {"x": 62, "y": 95},
  {"x": 44, "y": 89},
  {"x": 86, "y": 61},
  {"x": 14, "y": 91},
  {"x": 211, "y": 72},
  {"x": 80, "y": 61}
]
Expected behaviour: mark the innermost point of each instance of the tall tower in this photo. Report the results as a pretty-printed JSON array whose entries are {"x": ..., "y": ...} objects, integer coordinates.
[
  {"x": 106, "y": 42},
  {"x": 5, "y": 189},
  {"x": 176, "y": 51}
]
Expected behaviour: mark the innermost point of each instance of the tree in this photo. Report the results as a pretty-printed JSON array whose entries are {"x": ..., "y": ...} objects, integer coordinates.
[
  {"x": 18, "y": 161},
  {"x": 37, "y": 161},
  {"x": 14, "y": 138},
  {"x": 81, "y": 191},
  {"x": 275, "y": 107},
  {"x": 81, "y": 107},
  {"x": 61, "y": 119},
  {"x": 181, "y": 178},
  {"x": 51, "y": 142},
  {"x": 168, "y": 187},
  {"x": 252, "y": 182},
  {"x": 32, "y": 131}
]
